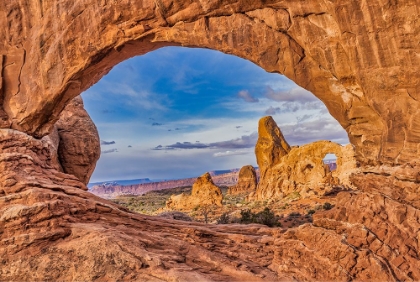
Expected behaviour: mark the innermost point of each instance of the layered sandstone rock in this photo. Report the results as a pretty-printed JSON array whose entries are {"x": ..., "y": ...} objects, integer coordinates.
[
  {"x": 204, "y": 193},
  {"x": 360, "y": 58},
  {"x": 47, "y": 221},
  {"x": 300, "y": 169},
  {"x": 303, "y": 171},
  {"x": 247, "y": 181},
  {"x": 79, "y": 146},
  {"x": 271, "y": 145},
  {"x": 325, "y": 47}
]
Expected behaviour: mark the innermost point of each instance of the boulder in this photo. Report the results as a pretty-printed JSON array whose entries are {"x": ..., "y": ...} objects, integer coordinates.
[
  {"x": 247, "y": 181},
  {"x": 204, "y": 193},
  {"x": 79, "y": 145}
]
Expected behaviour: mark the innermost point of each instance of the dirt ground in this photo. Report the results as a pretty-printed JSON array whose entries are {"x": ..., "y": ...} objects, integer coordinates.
[{"x": 290, "y": 211}]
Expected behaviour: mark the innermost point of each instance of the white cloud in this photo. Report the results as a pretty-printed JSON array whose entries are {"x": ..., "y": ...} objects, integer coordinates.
[
  {"x": 247, "y": 97},
  {"x": 229, "y": 153}
]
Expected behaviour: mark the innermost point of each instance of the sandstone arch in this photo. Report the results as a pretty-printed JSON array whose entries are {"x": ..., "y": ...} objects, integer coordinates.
[
  {"x": 360, "y": 58},
  {"x": 326, "y": 48},
  {"x": 285, "y": 169}
]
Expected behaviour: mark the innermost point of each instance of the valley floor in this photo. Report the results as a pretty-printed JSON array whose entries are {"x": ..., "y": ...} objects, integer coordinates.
[{"x": 290, "y": 211}]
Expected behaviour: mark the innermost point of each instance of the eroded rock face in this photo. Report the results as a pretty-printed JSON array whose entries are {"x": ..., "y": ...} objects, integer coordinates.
[
  {"x": 79, "y": 145},
  {"x": 360, "y": 58},
  {"x": 271, "y": 145},
  {"x": 247, "y": 181},
  {"x": 46, "y": 220},
  {"x": 300, "y": 169},
  {"x": 325, "y": 47},
  {"x": 204, "y": 193},
  {"x": 303, "y": 171}
]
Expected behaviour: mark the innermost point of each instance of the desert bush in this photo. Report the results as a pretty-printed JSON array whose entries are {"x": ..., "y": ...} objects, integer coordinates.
[
  {"x": 224, "y": 218},
  {"x": 246, "y": 216},
  {"x": 311, "y": 212},
  {"x": 266, "y": 217},
  {"x": 327, "y": 206}
]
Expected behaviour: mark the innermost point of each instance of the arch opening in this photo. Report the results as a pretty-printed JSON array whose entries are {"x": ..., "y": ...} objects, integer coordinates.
[
  {"x": 330, "y": 159},
  {"x": 165, "y": 102},
  {"x": 176, "y": 113}
]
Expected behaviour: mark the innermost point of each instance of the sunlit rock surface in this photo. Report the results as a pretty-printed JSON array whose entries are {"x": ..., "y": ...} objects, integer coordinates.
[
  {"x": 247, "y": 181},
  {"x": 204, "y": 193},
  {"x": 361, "y": 58},
  {"x": 301, "y": 169}
]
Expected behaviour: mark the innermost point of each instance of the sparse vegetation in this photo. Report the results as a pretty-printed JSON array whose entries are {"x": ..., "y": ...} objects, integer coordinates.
[
  {"x": 327, "y": 206},
  {"x": 266, "y": 217},
  {"x": 224, "y": 218},
  {"x": 150, "y": 202},
  {"x": 205, "y": 211},
  {"x": 291, "y": 211}
]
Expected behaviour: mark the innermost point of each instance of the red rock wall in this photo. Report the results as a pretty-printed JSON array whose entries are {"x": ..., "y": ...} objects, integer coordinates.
[{"x": 359, "y": 57}]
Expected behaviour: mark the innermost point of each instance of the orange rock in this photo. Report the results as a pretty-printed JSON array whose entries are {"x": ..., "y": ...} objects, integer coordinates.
[
  {"x": 301, "y": 168},
  {"x": 79, "y": 147},
  {"x": 360, "y": 59},
  {"x": 271, "y": 145},
  {"x": 247, "y": 181},
  {"x": 204, "y": 193}
]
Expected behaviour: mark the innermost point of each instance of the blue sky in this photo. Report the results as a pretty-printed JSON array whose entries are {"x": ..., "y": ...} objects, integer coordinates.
[{"x": 178, "y": 112}]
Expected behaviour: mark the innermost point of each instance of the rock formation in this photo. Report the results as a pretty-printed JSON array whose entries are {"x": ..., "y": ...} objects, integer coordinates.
[
  {"x": 359, "y": 57},
  {"x": 204, "y": 193},
  {"x": 271, "y": 145},
  {"x": 247, "y": 181},
  {"x": 303, "y": 171},
  {"x": 79, "y": 147},
  {"x": 299, "y": 169}
]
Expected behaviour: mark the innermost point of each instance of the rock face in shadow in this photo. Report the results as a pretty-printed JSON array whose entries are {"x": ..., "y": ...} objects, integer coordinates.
[
  {"x": 360, "y": 58},
  {"x": 51, "y": 229},
  {"x": 204, "y": 193},
  {"x": 247, "y": 181},
  {"x": 301, "y": 169},
  {"x": 79, "y": 146}
]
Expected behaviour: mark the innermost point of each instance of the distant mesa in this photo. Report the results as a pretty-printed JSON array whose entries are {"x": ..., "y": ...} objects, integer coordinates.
[
  {"x": 113, "y": 189},
  {"x": 204, "y": 193}
]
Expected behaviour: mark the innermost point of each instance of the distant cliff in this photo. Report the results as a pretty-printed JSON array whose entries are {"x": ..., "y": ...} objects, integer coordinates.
[{"x": 113, "y": 190}]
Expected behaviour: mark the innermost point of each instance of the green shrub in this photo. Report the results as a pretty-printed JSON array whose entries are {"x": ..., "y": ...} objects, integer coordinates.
[
  {"x": 266, "y": 217},
  {"x": 246, "y": 216}
]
